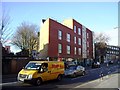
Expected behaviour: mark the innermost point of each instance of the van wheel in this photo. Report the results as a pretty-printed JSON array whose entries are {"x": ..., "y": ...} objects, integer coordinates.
[
  {"x": 38, "y": 82},
  {"x": 59, "y": 78}
]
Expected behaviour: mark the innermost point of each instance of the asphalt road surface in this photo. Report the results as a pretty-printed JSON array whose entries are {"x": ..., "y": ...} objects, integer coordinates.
[{"x": 67, "y": 82}]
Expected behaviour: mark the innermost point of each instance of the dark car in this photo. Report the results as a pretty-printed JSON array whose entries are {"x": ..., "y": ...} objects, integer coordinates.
[
  {"x": 110, "y": 62},
  {"x": 96, "y": 65}
]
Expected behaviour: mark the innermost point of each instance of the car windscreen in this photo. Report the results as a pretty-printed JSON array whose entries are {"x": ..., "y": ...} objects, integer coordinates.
[
  {"x": 34, "y": 66},
  {"x": 72, "y": 68}
]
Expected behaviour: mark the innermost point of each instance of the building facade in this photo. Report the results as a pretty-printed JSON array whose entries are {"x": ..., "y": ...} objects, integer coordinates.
[
  {"x": 67, "y": 40},
  {"x": 108, "y": 52},
  {"x": 113, "y": 52}
]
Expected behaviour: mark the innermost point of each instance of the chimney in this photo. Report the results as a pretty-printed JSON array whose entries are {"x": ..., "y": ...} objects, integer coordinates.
[{"x": 43, "y": 20}]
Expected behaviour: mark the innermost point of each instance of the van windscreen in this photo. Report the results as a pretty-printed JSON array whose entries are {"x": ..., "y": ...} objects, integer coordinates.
[{"x": 34, "y": 66}]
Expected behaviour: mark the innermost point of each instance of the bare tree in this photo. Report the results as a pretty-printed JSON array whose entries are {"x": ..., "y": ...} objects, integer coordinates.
[
  {"x": 5, "y": 31},
  {"x": 100, "y": 42},
  {"x": 26, "y": 37},
  {"x": 101, "y": 38}
]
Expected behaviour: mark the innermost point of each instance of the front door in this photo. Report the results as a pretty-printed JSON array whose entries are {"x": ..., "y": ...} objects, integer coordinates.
[{"x": 43, "y": 72}]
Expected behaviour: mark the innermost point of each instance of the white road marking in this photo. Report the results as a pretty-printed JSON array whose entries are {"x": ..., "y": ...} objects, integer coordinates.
[
  {"x": 79, "y": 77},
  {"x": 8, "y": 83},
  {"x": 76, "y": 78}
]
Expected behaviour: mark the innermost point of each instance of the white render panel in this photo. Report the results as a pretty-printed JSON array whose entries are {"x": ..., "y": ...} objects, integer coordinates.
[{"x": 84, "y": 47}]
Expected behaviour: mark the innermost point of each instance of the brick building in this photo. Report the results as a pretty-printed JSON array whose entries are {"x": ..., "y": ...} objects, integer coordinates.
[{"x": 68, "y": 40}]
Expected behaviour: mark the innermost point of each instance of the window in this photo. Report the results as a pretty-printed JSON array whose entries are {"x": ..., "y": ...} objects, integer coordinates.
[
  {"x": 68, "y": 37},
  {"x": 87, "y": 35},
  {"x": 79, "y": 31},
  {"x": 33, "y": 66},
  {"x": 79, "y": 41},
  {"x": 88, "y": 52},
  {"x": 74, "y": 29},
  {"x": 59, "y": 48},
  {"x": 79, "y": 51},
  {"x": 75, "y": 51},
  {"x": 75, "y": 40},
  {"x": 68, "y": 49},
  {"x": 87, "y": 44},
  {"x": 59, "y": 35}
]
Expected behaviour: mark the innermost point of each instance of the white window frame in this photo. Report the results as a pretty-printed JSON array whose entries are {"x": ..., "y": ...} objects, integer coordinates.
[
  {"x": 59, "y": 34},
  {"x": 75, "y": 29},
  {"x": 59, "y": 48},
  {"x": 68, "y": 49},
  {"x": 68, "y": 37}
]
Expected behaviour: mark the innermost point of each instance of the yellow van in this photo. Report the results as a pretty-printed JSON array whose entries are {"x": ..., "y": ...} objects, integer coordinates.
[{"x": 37, "y": 72}]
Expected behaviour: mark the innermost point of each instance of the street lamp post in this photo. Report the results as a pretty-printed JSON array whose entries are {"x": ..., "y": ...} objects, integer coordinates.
[
  {"x": 118, "y": 34},
  {"x": 118, "y": 37}
]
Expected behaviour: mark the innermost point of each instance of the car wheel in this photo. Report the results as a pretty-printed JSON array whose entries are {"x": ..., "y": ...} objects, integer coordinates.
[
  {"x": 74, "y": 75},
  {"x": 38, "y": 82},
  {"x": 83, "y": 73},
  {"x": 59, "y": 78}
]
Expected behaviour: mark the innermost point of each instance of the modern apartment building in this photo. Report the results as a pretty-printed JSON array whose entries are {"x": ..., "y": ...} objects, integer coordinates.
[
  {"x": 113, "y": 52},
  {"x": 68, "y": 40}
]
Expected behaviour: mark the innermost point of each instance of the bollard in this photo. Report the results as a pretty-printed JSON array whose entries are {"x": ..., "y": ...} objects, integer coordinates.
[
  {"x": 107, "y": 64},
  {"x": 108, "y": 74},
  {"x": 101, "y": 75}
]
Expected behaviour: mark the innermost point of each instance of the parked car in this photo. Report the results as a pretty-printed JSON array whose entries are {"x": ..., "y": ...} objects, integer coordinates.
[
  {"x": 75, "y": 70},
  {"x": 96, "y": 65}
]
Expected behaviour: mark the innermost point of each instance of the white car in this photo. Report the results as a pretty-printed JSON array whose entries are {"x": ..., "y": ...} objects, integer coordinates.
[{"x": 75, "y": 70}]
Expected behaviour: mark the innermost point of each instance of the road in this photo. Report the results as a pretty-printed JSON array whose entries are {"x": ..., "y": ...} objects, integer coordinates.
[{"x": 68, "y": 83}]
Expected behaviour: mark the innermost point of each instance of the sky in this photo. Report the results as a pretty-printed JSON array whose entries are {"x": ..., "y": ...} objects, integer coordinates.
[{"x": 97, "y": 16}]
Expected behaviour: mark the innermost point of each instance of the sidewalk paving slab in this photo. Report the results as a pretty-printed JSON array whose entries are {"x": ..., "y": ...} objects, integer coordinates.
[{"x": 109, "y": 81}]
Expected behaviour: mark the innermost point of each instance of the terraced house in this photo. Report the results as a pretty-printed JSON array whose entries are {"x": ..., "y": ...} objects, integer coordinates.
[{"x": 65, "y": 41}]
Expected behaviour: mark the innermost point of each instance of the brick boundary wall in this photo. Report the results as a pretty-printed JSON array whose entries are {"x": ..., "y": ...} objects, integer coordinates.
[{"x": 13, "y": 66}]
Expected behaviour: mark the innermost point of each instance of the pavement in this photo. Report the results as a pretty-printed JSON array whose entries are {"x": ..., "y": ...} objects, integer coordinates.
[
  {"x": 9, "y": 78},
  {"x": 109, "y": 81}
]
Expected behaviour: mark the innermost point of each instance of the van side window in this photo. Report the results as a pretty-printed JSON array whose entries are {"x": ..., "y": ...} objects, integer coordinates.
[{"x": 44, "y": 67}]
